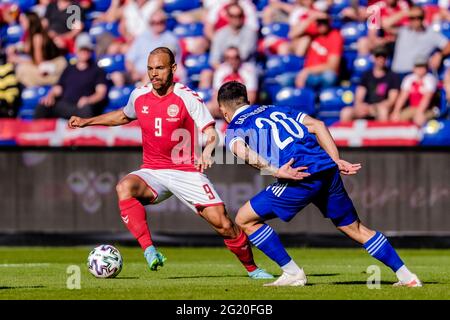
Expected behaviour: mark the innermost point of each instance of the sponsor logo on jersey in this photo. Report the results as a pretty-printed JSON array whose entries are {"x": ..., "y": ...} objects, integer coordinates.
[
  {"x": 145, "y": 109},
  {"x": 173, "y": 110}
]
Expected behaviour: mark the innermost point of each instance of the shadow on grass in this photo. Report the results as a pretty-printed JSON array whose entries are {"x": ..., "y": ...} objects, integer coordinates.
[
  {"x": 22, "y": 287},
  {"x": 382, "y": 282},
  {"x": 125, "y": 278},
  {"x": 322, "y": 275},
  {"x": 200, "y": 277}
]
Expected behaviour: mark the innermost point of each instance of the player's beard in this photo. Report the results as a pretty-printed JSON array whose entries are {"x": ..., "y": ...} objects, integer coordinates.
[{"x": 164, "y": 86}]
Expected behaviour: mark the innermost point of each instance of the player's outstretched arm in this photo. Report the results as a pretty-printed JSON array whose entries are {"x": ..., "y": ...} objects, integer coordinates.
[
  {"x": 286, "y": 171},
  {"x": 113, "y": 118},
  {"x": 326, "y": 141}
]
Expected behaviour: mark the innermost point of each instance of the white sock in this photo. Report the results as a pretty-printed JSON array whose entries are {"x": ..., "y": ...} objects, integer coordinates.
[
  {"x": 404, "y": 275},
  {"x": 291, "y": 268}
]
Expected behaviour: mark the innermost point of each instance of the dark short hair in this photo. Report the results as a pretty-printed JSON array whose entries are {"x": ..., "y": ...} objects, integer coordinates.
[
  {"x": 166, "y": 51},
  {"x": 232, "y": 92}
]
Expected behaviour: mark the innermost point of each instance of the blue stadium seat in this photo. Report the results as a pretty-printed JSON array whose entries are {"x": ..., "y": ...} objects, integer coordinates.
[
  {"x": 425, "y": 2},
  {"x": 444, "y": 67},
  {"x": 112, "y": 63},
  {"x": 24, "y": 5},
  {"x": 361, "y": 65},
  {"x": 338, "y": 6},
  {"x": 12, "y": 34},
  {"x": 118, "y": 97},
  {"x": 181, "y": 5},
  {"x": 443, "y": 27},
  {"x": 436, "y": 133},
  {"x": 349, "y": 57},
  {"x": 30, "y": 99},
  {"x": 260, "y": 4},
  {"x": 280, "y": 72},
  {"x": 189, "y": 30},
  {"x": 277, "y": 65},
  {"x": 443, "y": 105},
  {"x": 277, "y": 29},
  {"x": 351, "y": 32},
  {"x": 101, "y": 5},
  {"x": 102, "y": 27},
  {"x": 196, "y": 63},
  {"x": 300, "y": 99},
  {"x": 205, "y": 94},
  {"x": 331, "y": 101}
]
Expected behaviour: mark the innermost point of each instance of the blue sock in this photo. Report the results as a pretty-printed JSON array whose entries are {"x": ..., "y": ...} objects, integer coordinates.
[
  {"x": 379, "y": 247},
  {"x": 266, "y": 240}
]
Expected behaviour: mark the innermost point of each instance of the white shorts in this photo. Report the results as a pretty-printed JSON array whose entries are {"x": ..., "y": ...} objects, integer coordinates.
[{"x": 192, "y": 188}]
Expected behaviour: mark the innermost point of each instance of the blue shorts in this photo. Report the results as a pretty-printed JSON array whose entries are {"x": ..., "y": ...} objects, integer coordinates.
[{"x": 324, "y": 189}]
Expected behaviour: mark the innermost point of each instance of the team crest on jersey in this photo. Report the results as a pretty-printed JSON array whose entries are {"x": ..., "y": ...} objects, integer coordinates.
[
  {"x": 173, "y": 110},
  {"x": 145, "y": 109}
]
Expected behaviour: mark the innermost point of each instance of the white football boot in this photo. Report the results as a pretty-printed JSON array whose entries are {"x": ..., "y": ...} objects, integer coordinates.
[
  {"x": 298, "y": 280},
  {"x": 415, "y": 282}
]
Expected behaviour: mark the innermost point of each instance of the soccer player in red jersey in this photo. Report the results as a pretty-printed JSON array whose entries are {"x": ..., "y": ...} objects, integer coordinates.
[{"x": 169, "y": 114}]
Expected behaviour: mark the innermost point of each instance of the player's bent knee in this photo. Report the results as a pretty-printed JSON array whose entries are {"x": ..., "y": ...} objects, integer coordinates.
[
  {"x": 226, "y": 229},
  {"x": 126, "y": 188}
]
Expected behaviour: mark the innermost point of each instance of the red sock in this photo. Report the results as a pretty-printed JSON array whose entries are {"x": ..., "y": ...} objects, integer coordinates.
[
  {"x": 241, "y": 247},
  {"x": 134, "y": 217}
]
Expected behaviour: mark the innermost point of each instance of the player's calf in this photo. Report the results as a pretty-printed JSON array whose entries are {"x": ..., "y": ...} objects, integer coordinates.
[{"x": 378, "y": 246}]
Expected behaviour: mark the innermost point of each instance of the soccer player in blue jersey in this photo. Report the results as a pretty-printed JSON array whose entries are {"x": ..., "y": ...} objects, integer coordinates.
[{"x": 266, "y": 136}]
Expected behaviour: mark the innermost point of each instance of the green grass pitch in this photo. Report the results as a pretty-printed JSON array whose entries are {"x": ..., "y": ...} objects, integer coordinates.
[{"x": 214, "y": 273}]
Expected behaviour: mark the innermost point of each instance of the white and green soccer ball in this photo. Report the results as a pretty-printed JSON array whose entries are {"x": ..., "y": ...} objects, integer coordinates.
[{"x": 105, "y": 261}]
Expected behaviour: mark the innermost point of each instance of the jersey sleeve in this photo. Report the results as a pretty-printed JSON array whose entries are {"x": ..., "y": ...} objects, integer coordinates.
[
  {"x": 232, "y": 135},
  {"x": 197, "y": 109},
  {"x": 129, "y": 109},
  {"x": 298, "y": 116}
]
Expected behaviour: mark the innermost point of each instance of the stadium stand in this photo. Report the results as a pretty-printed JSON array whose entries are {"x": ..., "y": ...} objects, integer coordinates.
[{"x": 276, "y": 73}]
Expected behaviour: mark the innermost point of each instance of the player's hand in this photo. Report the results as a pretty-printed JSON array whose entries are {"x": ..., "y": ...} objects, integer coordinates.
[
  {"x": 82, "y": 102},
  {"x": 347, "y": 168},
  {"x": 286, "y": 171},
  {"x": 204, "y": 162},
  {"x": 76, "y": 122},
  {"x": 47, "y": 100}
]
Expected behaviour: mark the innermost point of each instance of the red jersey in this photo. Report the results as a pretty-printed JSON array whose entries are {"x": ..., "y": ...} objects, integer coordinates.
[
  {"x": 386, "y": 11},
  {"x": 417, "y": 87},
  {"x": 322, "y": 47},
  {"x": 169, "y": 126}
]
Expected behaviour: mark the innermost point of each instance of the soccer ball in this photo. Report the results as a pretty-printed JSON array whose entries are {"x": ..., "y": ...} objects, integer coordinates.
[{"x": 105, "y": 261}]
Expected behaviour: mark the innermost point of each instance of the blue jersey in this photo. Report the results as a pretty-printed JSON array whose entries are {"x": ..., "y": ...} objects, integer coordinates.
[{"x": 277, "y": 134}]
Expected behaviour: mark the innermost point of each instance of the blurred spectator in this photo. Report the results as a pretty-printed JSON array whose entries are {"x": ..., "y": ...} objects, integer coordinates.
[
  {"x": 233, "y": 69},
  {"x": 9, "y": 13},
  {"x": 63, "y": 24},
  {"x": 388, "y": 16},
  {"x": 377, "y": 92},
  {"x": 135, "y": 15},
  {"x": 40, "y": 62},
  {"x": 41, "y": 7},
  {"x": 155, "y": 36},
  {"x": 416, "y": 39},
  {"x": 280, "y": 11},
  {"x": 80, "y": 91},
  {"x": 446, "y": 85},
  {"x": 303, "y": 27},
  {"x": 217, "y": 16},
  {"x": 9, "y": 90},
  {"x": 417, "y": 92},
  {"x": 236, "y": 34},
  {"x": 302, "y": 20},
  {"x": 322, "y": 58}
]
